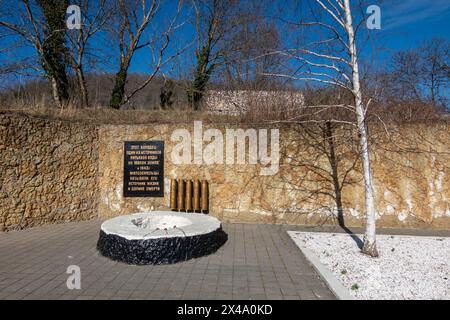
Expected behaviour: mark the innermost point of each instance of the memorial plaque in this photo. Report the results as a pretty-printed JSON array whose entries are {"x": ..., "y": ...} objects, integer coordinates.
[{"x": 143, "y": 169}]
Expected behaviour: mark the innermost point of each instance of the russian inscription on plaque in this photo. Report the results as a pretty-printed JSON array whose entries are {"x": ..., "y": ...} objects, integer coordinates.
[{"x": 143, "y": 169}]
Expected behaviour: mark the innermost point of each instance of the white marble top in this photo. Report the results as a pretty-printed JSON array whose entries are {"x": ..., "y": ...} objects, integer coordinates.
[{"x": 160, "y": 224}]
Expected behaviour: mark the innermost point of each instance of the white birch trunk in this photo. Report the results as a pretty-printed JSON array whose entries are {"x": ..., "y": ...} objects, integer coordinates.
[{"x": 369, "y": 246}]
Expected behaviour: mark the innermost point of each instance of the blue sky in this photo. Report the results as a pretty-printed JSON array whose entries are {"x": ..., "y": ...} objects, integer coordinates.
[{"x": 405, "y": 24}]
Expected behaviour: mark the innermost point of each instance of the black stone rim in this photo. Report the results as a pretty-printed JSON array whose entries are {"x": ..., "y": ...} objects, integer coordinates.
[{"x": 160, "y": 250}]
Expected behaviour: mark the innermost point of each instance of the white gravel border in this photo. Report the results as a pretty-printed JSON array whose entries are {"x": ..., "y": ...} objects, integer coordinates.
[
  {"x": 409, "y": 267},
  {"x": 332, "y": 282}
]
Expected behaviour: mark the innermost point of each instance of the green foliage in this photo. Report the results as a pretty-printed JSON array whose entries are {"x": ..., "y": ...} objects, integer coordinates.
[
  {"x": 201, "y": 78},
  {"x": 166, "y": 94},
  {"x": 355, "y": 287},
  {"x": 119, "y": 89},
  {"x": 54, "y": 58}
]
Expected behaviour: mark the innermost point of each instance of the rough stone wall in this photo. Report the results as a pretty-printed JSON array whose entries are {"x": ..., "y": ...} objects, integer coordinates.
[
  {"x": 48, "y": 171},
  {"x": 411, "y": 179},
  {"x": 56, "y": 171},
  {"x": 238, "y": 102}
]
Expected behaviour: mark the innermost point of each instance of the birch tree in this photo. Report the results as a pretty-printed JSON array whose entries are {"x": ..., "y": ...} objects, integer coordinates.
[{"x": 331, "y": 58}]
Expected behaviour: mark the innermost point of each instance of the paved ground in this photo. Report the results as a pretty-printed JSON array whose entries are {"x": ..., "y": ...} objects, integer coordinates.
[{"x": 257, "y": 262}]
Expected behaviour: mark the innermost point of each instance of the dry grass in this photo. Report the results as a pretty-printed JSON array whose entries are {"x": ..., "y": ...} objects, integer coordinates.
[
  {"x": 106, "y": 115},
  {"x": 254, "y": 116}
]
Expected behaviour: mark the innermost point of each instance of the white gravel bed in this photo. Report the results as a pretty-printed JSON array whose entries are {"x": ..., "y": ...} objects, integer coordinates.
[{"x": 409, "y": 267}]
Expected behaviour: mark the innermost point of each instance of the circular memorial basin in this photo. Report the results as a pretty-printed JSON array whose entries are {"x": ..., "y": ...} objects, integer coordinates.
[{"x": 160, "y": 237}]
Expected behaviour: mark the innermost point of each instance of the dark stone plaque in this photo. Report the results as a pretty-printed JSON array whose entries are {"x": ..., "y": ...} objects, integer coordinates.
[{"x": 143, "y": 169}]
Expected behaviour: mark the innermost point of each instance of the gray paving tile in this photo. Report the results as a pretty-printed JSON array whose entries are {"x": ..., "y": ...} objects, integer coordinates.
[{"x": 257, "y": 262}]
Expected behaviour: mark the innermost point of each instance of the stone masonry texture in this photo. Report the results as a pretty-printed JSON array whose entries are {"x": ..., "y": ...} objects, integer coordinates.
[
  {"x": 56, "y": 171},
  {"x": 410, "y": 169},
  {"x": 48, "y": 172}
]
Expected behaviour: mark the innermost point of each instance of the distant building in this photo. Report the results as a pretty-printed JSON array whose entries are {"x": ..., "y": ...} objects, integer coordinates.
[{"x": 238, "y": 102}]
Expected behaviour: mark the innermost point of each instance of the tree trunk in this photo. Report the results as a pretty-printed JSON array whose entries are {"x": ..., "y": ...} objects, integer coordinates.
[
  {"x": 54, "y": 50},
  {"x": 201, "y": 77},
  {"x": 119, "y": 88},
  {"x": 55, "y": 92},
  {"x": 82, "y": 85},
  {"x": 433, "y": 96},
  {"x": 369, "y": 245}
]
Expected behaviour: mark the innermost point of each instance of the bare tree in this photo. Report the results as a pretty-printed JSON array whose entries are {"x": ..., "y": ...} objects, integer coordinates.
[
  {"x": 436, "y": 66},
  {"x": 406, "y": 75},
  {"x": 334, "y": 60},
  {"x": 12, "y": 65},
  {"x": 134, "y": 17},
  {"x": 423, "y": 72},
  {"x": 94, "y": 16},
  {"x": 42, "y": 25},
  {"x": 246, "y": 56},
  {"x": 214, "y": 22}
]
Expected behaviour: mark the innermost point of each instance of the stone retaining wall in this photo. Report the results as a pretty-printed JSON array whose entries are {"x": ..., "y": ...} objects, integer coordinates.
[
  {"x": 48, "y": 171},
  {"x": 411, "y": 169},
  {"x": 55, "y": 171}
]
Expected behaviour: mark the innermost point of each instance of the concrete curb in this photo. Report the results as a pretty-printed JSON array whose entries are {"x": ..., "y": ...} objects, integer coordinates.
[{"x": 328, "y": 277}]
